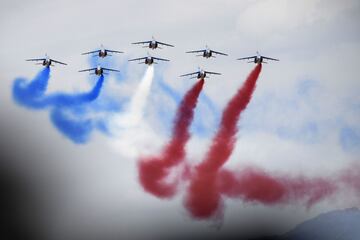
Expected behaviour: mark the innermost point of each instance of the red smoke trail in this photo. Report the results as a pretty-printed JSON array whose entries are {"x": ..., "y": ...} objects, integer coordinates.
[
  {"x": 255, "y": 185},
  {"x": 154, "y": 170},
  {"x": 203, "y": 196}
]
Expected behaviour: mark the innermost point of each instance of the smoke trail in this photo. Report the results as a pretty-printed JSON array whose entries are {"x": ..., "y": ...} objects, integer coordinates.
[
  {"x": 32, "y": 95},
  {"x": 255, "y": 185},
  {"x": 128, "y": 127},
  {"x": 154, "y": 170},
  {"x": 203, "y": 196},
  {"x": 67, "y": 110},
  {"x": 78, "y": 121},
  {"x": 67, "y": 100},
  {"x": 206, "y": 108},
  {"x": 133, "y": 115},
  {"x": 77, "y": 130},
  {"x": 28, "y": 94}
]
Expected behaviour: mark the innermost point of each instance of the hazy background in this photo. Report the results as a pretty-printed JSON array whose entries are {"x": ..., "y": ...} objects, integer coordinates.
[{"x": 304, "y": 116}]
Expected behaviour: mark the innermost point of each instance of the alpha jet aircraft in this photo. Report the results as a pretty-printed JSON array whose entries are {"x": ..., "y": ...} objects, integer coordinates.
[
  {"x": 46, "y": 61},
  {"x": 258, "y": 58},
  {"x": 102, "y": 52},
  {"x": 153, "y": 44},
  {"x": 148, "y": 60},
  {"x": 99, "y": 71},
  {"x": 200, "y": 74},
  {"x": 207, "y": 52}
]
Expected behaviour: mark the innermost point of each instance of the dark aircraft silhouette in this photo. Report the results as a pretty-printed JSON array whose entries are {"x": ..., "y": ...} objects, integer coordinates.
[
  {"x": 99, "y": 71},
  {"x": 102, "y": 52},
  {"x": 46, "y": 61},
  {"x": 257, "y": 58},
  {"x": 200, "y": 74},
  {"x": 153, "y": 44},
  {"x": 207, "y": 52}
]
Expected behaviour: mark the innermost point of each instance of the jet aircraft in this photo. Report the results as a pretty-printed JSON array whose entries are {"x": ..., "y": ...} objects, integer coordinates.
[
  {"x": 102, "y": 52},
  {"x": 207, "y": 52},
  {"x": 153, "y": 44},
  {"x": 46, "y": 61},
  {"x": 257, "y": 58},
  {"x": 200, "y": 74},
  {"x": 99, "y": 71},
  {"x": 148, "y": 60}
]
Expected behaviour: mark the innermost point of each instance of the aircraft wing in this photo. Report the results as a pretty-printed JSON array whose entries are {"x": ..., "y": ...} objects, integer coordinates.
[
  {"x": 268, "y": 58},
  {"x": 246, "y": 58},
  {"x": 220, "y": 53},
  {"x": 214, "y": 73},
  {"x": 165, "y": 44},
  {"x": 96, "y": 51},
  {"x": 189, "y": 74},
  {"x": 161, "y": 59},
  {"x": 196, "y": 51},
  {"x": 113, "y": 51},
  {"x": 136, "y": 59},
  {"x": 144, "y": 42},
  {"x": 108, "y": 69},
  {"x": 87, "y": 70},
  {"x": 36, "y": 59},
  {"x": 58, "y": 62}
]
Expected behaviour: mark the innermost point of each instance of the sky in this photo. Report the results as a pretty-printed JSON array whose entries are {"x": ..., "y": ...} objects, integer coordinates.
[{"x": 304, "y": 117}]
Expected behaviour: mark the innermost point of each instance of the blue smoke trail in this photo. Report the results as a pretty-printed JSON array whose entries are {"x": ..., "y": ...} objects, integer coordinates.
[
  {"x": 76, "y": 130},
  {"x": 67, "y": 100},
  {"x": 74, "y": 115},
  {"x": 28, "y": 94},
  {"x": 78, "y": 121},
  {"x": 31, "y": 94}
]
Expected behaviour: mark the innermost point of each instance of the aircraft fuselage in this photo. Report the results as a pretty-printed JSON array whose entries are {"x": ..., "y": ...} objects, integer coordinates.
[
  {"x": 149, "y": 60},
  {"x": 207, "y": 54},
  {"x": 153, "y": 45},
  {"x": 99, "y": 71},
  {"x": 258, "y": 59},
  {"x": 47, "y": 62},
  {"x": 201, "y": 75},
  {"x": 102, "y": 53}
]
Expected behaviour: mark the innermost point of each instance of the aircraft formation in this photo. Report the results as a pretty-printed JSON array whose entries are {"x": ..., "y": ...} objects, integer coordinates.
[{"x": 149, "y": 59}]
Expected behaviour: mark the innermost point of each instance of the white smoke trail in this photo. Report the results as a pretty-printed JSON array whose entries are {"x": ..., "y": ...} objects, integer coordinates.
[
  {"x": 134, "y": 113},
  {"x": 128, "y": 128}
]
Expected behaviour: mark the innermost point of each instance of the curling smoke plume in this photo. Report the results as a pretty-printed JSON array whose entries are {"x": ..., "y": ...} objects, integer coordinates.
[
  {"x": 28, "y": 94},
  {"x": 74, "y": 127},
  {"x": 203, "y": 197},
  {"x": 153, "y": 171},
  {"x": 32, "y": 95},
  {"x": 67, "y": 110}
]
